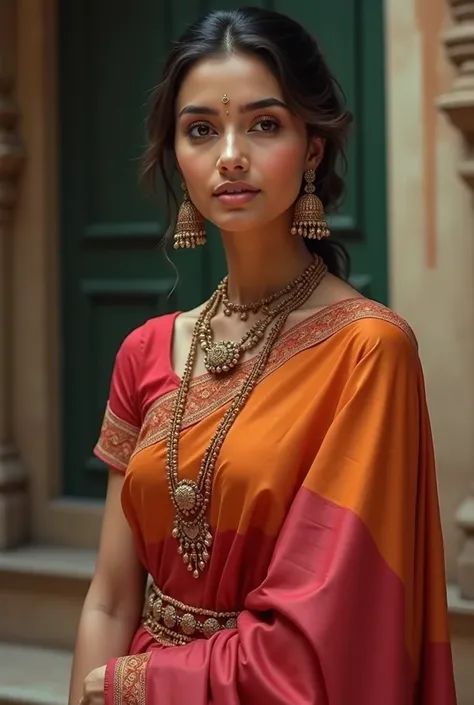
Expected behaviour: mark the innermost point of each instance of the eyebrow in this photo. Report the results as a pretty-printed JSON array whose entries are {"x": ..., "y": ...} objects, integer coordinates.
[{"x": 247, "y": 108}]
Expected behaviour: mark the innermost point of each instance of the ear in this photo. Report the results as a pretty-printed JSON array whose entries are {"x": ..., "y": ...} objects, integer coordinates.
[{"x": 315, "y": 152}]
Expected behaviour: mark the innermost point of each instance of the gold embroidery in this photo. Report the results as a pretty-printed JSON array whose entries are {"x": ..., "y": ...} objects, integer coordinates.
[
  {"x": 130, "y": 679},
  {"x": 208, "y": 394},
  {"x": 117, "y": 440},
  {"x": 171, "y": 622}
]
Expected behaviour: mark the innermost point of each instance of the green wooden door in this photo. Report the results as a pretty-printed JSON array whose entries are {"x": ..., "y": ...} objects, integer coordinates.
[{"x": 113, "y": 274}]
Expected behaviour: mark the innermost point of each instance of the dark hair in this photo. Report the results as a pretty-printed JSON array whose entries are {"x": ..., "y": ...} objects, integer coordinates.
[{"x": 310, "y": 90}]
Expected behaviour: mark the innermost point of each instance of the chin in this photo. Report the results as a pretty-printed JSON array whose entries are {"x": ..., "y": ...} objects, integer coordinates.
[{"x": 240, "y": 222}]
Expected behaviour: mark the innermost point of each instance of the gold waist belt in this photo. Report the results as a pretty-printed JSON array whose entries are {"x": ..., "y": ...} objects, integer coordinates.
[{"x": 172, "y": 623}]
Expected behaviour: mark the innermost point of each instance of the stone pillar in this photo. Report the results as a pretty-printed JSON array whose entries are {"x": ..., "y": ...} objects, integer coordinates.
[
  {"x": 458, "y": 105},
  {"x": 13, "y": 495}
]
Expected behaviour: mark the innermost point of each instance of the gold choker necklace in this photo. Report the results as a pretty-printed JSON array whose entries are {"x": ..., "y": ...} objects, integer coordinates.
[{"x": 243, "y": 310}]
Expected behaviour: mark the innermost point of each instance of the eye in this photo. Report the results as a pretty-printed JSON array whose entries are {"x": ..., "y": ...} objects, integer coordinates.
[
  {"x": 267, "y": 124},
  {"x": 199, "y": 130}
]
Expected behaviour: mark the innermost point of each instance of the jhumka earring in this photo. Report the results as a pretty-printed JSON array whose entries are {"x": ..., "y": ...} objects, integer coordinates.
[
  {"x": 308, "y": 218},
  {"x": 190, "y": 227}
]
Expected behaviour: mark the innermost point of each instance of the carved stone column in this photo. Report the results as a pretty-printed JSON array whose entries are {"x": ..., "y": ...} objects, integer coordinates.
[
  {"x": 13, "y": 496},
  {"x": 458, "y": 104}
]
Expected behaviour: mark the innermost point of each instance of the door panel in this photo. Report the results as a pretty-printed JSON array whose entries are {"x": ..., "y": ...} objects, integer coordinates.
[
  {"x": 350, "y": 33},
  {"x": 114, "y": 275}
]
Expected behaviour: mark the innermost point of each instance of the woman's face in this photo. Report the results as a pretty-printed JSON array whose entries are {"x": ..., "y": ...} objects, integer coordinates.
[{"x": 240, "y": 150}]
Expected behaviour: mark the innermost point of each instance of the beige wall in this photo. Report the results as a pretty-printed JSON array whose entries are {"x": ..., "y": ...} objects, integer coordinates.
[{"x": 431, "y": 227}]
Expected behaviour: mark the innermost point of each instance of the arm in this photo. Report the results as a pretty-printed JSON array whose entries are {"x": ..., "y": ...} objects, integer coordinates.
[
  {"x": 114, "y": 601},
  {"x": 353, "y": 608}
]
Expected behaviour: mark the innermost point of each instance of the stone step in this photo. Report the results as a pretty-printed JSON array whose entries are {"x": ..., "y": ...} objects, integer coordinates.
[
  {"x": 33, "y": 676},
  {"x": 42, "y": 590}
]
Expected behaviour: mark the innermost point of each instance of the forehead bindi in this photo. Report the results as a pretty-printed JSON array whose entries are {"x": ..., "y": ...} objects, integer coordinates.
[{"x": 242, "y": 79}]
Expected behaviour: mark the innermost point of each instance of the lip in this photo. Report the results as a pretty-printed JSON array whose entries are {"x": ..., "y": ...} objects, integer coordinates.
[
  {"x": 227, "y": 186},
  {"x": 235, "y": 200},
  {"x": 245, "y": 193}
]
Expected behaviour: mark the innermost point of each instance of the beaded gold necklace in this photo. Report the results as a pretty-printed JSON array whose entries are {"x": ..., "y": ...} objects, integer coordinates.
[
  {"x": 222, "y": 356},
  {"x": 191, "y": 498}
]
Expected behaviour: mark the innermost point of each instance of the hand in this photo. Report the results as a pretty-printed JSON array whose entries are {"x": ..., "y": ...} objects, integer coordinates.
[{"x": 93, "y": 693}]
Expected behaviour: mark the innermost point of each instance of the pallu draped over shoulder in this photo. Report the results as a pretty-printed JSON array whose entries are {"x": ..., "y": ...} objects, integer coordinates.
[{"x": 326, "y": 582}]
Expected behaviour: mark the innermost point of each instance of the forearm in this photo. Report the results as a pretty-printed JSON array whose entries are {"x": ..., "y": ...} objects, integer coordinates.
[{"x": 101, "y": 636}]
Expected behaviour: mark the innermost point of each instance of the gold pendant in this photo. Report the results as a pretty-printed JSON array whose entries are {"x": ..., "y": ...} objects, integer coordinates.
[
  {"x": 222, "y": 356},
  {"x": 187, "y": 496},
  {"x": 193, "y": 534},
  {"x": 195, "y": 542}
]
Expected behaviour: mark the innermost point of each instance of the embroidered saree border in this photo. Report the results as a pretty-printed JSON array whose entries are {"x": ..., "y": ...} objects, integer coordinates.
[
  {"x": 130, "y": 679},
  {"x": 117, "y": 440},
  {"x": 208, "y": 394}
]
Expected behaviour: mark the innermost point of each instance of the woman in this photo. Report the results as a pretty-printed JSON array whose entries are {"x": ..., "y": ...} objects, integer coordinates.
[{"x": 271, "y": 449}]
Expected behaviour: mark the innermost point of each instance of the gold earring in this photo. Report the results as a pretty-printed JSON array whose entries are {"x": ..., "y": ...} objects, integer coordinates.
[
  {"x": 190, "y": 227},
  {"x": 308, "y": 218}
]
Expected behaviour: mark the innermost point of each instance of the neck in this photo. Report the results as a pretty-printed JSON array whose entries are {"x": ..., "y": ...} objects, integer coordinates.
[{"x": 262, "y": 262}]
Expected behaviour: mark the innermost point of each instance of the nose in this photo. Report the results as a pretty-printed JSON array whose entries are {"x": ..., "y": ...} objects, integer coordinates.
[{"x": 232, "y": 157}]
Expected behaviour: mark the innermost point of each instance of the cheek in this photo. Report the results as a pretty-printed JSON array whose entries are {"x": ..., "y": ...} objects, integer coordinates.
[
  {"x": 284, "y": 164},
  {"x": 194, "y": 170}
]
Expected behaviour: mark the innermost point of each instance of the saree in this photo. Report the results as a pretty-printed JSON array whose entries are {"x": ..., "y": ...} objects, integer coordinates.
[{"x": 327, "y": 548}]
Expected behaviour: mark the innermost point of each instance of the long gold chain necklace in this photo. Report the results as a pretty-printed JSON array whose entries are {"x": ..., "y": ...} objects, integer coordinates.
[
  {"x": 191, "y": 498},
  {"x": 223, "y": 355}
]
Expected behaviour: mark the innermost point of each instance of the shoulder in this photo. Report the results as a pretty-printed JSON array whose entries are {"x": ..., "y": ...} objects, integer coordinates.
[
  {"x": 369, "y": 328},
  {"x": 153, "y": 334},
  {"x": 358, "y": 325},
  {"x": 142, "y": 369},
  {"x": 340, "y": 307},
  {"x": 376, "y": 322}
]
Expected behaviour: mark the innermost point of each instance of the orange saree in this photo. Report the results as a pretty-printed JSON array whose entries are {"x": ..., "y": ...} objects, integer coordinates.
[{"x": 326, "y": 581}]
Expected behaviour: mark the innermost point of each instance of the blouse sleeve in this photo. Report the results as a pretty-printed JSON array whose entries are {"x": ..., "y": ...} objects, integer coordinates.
[
  {"x": 353, "y": 607},
  {"x": 122, "y": 418}
]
